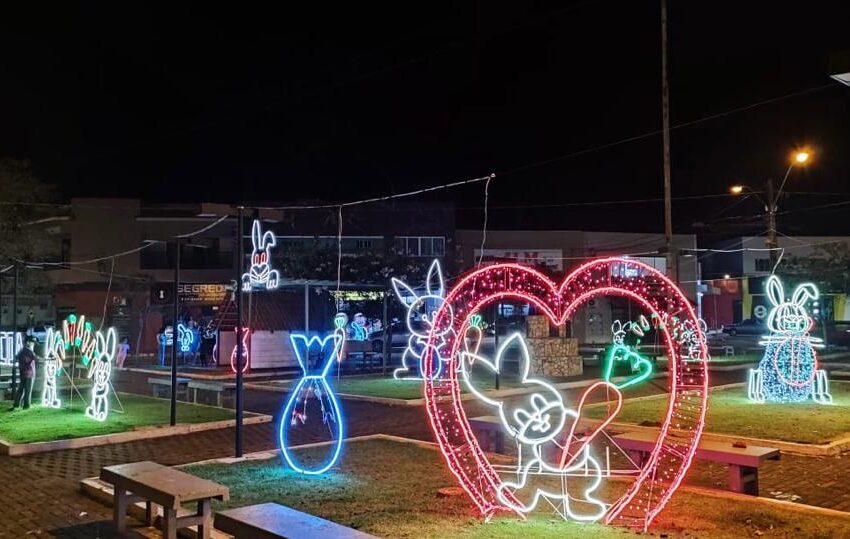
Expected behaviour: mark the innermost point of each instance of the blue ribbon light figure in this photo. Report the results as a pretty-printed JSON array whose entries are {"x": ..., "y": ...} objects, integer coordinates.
[{"x": 312, "y": 400}]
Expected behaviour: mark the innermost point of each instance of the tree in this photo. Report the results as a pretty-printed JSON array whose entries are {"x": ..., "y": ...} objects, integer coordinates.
[{"x": 828, "y": 267}]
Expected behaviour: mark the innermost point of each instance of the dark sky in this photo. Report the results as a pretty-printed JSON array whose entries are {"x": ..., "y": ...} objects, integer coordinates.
[{"x": 282, "y": 103}]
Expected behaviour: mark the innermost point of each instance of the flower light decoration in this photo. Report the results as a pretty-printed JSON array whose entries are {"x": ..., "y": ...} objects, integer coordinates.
[
  {"x": 11, "y": 343},
  {"x": 261, "y": 274},
  {"x": 246, "y": 353},
  {"x": 77, "y": 334},
  {"x": 788, "y": 370},
  {"x": 313, "y": 400},
  {"x": 421, "y": 310},
  {"x": 542, "y": 412},
  {"x": 54, "y": 355},
  {"x": 340, "y": 321},
  {"x": 100, "y": 373}
]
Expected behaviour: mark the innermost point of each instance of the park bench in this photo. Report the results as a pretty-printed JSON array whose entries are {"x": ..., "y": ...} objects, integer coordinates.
[
  {"x": 275, "y": 521},
  {"x": 743, "y": 462},
  {"x": 157, "y": 484},
  {"x": 162, "y": 387},
  {"x": 223, "y": 391}
]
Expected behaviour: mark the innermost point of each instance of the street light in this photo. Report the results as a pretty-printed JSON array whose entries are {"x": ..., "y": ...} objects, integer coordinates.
[{"x": 799, "y": 158}]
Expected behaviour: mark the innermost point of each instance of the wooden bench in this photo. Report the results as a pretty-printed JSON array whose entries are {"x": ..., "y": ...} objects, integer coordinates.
[
  {"x": 223, "y": 391},
  {"x": 275, "y": 521},
  {"x": 157, "y": 484},
  {"x": 743, "y": 462},
  {"x": 162, "y": 386}
]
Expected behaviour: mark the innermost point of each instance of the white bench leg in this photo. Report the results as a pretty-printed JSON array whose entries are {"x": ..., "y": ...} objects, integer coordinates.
[
  {"x": 169, "y": 523},
  {"x": 119, "y": 510},
  {"x": 205, "y": 511}
]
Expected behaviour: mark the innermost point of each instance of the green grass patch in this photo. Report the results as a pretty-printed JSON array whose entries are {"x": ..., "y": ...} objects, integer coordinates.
[
  {"x": 38, "y": 424},
  {"x": 731, "y": 412},
  {"x": 389, "y": 489},
  {"x": 735, "y": 359}
]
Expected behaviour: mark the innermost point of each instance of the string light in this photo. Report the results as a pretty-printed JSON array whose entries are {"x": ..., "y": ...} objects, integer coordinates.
[
  {"x": 246, "y": 355},
  {"x": 623, "y": 352},
  {"x": 77, "y": 334},
  {"x": 188, "y": 337},
  {"x": 788, "y": 370},
  {"x": 310, "y": 386},
  {"x": 11, "y": 343},
  {"x": 668, "y": 463},
  {"x": 261, "y": 274}
]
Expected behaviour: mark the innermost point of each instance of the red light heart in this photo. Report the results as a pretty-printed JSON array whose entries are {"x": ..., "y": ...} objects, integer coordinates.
[{"x": 671, "y": 457}]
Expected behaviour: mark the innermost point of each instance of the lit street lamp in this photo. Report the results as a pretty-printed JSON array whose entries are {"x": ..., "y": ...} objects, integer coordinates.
[{"x": 799, "y": 158}]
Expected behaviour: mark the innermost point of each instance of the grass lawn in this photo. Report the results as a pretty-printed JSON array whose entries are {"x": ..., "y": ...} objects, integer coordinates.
[
  {"x": 736, "y": 359},
  {"x": 730, "y": 412},
  {"x": 389, "y": 489},
  {"x": 45, "y": 424}
]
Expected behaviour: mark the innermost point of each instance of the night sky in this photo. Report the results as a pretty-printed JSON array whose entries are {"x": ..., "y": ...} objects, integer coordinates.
[{"x": 177, "y": 103}]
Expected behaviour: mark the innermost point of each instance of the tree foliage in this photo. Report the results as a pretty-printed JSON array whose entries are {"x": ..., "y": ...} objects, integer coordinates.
[{"x": 828, "y": 267}]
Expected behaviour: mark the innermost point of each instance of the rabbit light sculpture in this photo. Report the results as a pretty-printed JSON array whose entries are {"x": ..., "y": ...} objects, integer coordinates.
[
  {"x": 54, "y": 355},
  {"x": 622, "y": 352},
  {"x": 261, "y": 273},
  {"x": 788, "y": 371},
  {"x": 99, "y": 372},
  {"x": 424, "y": 307},
  {"x": 537, "y": 424},
  {"x": 313, "y": 401}
]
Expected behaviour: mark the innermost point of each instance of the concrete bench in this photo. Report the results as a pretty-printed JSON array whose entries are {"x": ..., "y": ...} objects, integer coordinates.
[
  {"x": 743, "y": 462},
  {"x": 223, "y": 391},
  {"x": 162, "y": 387},
  {"x": 275, "y": 521},
  {"x": 157, "y": 484}
]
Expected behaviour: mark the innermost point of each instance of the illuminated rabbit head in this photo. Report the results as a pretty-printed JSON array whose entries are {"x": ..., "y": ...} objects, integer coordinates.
[
  {"x": 104, "y": 353},
  {"x": 619, "y": 330},
  {"x": 426, "y": 305},
  {"x": 54, "y": 345},
  {"x": 261, "y": 272},
  {"x": 789, "y": 317},
  {"x": 534, "y": 420}
]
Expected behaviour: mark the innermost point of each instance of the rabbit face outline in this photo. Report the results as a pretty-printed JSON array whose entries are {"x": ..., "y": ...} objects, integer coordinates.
[
  {"x": 99, "y": 372},
  {"x": 260, "y": 272},
  {"x": 789, "y": 317}
]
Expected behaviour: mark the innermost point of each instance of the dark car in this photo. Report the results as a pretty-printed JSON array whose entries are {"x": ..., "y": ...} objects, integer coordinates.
[{"x": 750, "y": 326}]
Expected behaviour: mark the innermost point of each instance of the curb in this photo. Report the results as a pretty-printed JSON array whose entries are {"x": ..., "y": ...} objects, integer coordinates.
[{"x": 144, "y": 433}]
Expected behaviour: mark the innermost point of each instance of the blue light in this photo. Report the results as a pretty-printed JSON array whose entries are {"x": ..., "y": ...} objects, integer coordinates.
[
  {"x": 189, "y": 338},
  {"x": 313, "y": 385}
]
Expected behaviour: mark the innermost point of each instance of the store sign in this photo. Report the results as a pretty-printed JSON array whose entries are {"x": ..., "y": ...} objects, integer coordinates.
[
  {"x": 202, "y": 293},
  {"x": 551, "y": 258}
]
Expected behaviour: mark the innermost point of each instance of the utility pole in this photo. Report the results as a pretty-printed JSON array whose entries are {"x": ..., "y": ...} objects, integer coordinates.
[
  {"x": 672, "y": 258},
  {"x": 174, "y": 331},
  {"x": 14, "y": 331},
  {"x": 240, "y": 253},
  {"x": 771, "y": 242}
]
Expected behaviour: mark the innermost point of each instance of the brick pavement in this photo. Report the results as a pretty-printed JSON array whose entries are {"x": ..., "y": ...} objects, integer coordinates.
[{"x": 46, "y": 501}]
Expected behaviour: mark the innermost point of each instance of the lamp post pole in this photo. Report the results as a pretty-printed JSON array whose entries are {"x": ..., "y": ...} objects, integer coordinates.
[
  {"x": 239, "y": 352},
  {"x": 672, "y": 258},
  {"x": 174, "y": 331}
]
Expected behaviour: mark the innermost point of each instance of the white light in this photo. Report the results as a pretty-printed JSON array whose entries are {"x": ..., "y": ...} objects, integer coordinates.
[
  {"x": 261, "y": 272},
  {"x": 100, "y": 371},
  {"x": 54, "y": 354}
]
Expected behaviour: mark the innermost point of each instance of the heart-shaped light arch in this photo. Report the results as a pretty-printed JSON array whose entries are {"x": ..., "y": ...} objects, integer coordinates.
[{"x": 669, "y": 461}]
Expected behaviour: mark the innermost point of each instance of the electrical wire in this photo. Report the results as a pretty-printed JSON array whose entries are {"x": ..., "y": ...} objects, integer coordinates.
[{"x": 484, "y": 227}]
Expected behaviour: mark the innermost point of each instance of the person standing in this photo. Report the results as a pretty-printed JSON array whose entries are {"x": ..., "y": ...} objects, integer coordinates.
[
  {"x": 123, "y": 350},
  {"x": 26, "y": 366}
]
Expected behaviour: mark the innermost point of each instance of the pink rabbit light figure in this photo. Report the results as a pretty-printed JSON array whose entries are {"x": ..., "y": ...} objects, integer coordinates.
[
  {"x": 100, "y": 371},
  {"x": 261, "y": 273},
  {"x": 536, "y": 423},
  {"x": 788, "y": 371}
]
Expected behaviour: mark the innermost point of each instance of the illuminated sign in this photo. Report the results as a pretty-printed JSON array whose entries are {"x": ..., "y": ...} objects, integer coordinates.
[{"x": 203, "y": 293}]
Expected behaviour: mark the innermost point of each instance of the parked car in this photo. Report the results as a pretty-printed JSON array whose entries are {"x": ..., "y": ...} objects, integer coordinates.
[
  {"x": 399, "y": 335},
  {"x": 750, "y": 326}
]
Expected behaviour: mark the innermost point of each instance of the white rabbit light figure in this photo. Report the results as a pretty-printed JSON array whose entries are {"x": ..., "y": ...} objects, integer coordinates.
[
  {"x": 54, "y": 355},
  {"x": 100, "y": 371},
  {"x": 426, "y": 307},
  {"x": 788, "y": 371},
  {"x": 535, "y": 423},
  {"x": 261, "y": 272}
]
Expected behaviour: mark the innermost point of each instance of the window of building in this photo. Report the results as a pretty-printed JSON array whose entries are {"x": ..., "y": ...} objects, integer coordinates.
[
  {"x": 763, "y": 264},
  {"x": 428, "y": 246}
]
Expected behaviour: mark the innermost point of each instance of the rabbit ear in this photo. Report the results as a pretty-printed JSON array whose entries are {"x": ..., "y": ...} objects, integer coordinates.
[
  {"x": 804, "y": 293},
  {"x": 434, "y": 283},
  {"x": 775, "y": 291},
  {"x": 516, "y": 342},
  {"x": 402, "y": 290},
  {"x": 616, "y": 327},
  {"x": 268, "y": 240},
  {"x": 111, "y": 343},
  {"x": 255, "y": 235}
]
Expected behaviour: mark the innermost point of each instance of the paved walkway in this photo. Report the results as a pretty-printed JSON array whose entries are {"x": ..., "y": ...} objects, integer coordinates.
[{"x": 42, "y": 499}]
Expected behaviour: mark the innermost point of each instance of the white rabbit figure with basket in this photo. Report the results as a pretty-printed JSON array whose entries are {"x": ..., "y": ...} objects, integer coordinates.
[
  {"x": 100, "y": 371},
  {"x": 421, "y": 311},
  {"x": 261, "y": 273},
  {"x": 788, "y": 371},
  {"x": 54, "y": 355}
]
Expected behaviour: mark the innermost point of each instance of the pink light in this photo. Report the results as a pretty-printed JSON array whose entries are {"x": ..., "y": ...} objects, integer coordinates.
[
  {"x": 671, "y": 457},
  {"x": 245, "y": 333}
]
